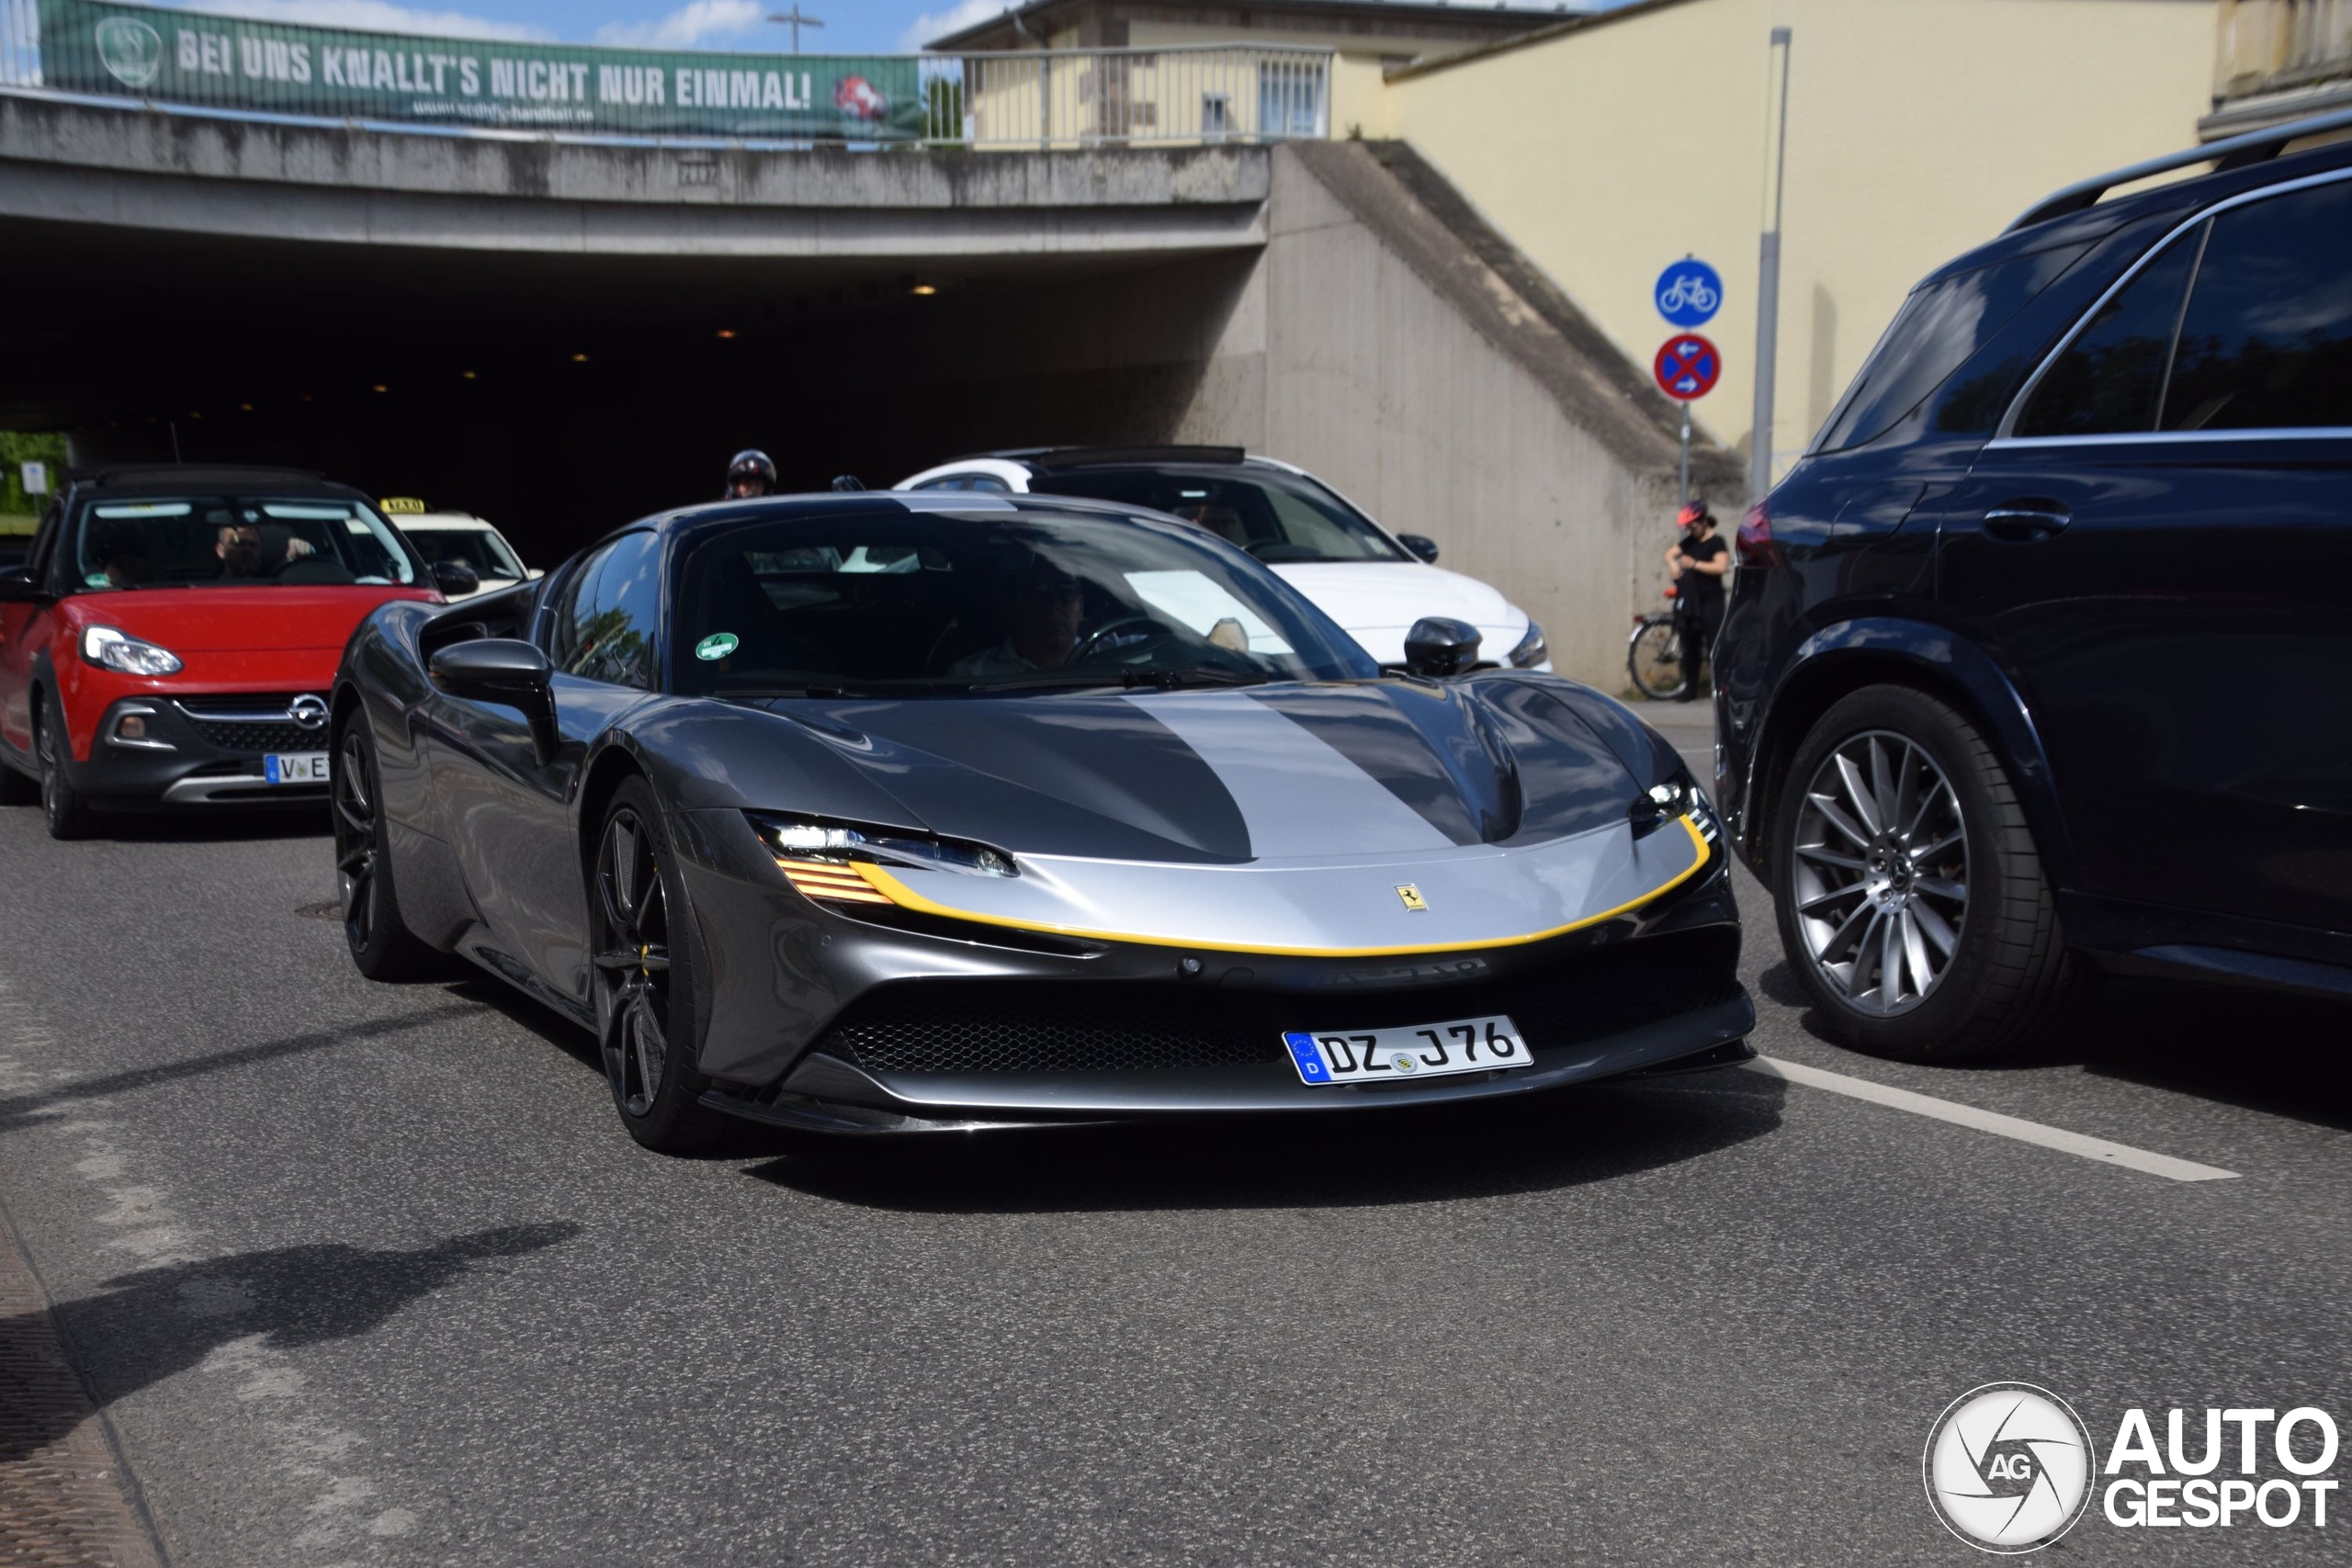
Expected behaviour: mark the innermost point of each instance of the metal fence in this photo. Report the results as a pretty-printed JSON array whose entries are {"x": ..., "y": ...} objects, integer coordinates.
[
  {"x": 1085, "y": 97},
  {"x": 191, "y": 60}
]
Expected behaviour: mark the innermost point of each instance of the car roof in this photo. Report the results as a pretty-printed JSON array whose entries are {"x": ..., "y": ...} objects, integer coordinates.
[
  {"x": 2076, "y": 215},
  {"x": 1049, "y": 457},
  {"x": 836, "y": 504},
  {"x": 141, "y": 478}
]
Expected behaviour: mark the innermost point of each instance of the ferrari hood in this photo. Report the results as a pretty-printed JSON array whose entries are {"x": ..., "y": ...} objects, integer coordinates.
[
  {"x": 238, "y": 620},
  {"x": 1292, "y": 818}
]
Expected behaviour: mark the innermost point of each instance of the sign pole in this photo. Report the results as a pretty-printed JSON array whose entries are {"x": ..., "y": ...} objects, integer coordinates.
[
  {"x": 1686, "y": 456},
  {"x": 1768, "y": 281}
]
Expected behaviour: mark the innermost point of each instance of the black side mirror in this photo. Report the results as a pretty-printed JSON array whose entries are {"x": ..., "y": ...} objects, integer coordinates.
[
  {"x": 17, "y": 587},
  {"x": 1439, "y": 645},
  {"x": 1422, "y": 545},
  {"x": 506, "y": 670},
  {"x": 454, "y": 578}
]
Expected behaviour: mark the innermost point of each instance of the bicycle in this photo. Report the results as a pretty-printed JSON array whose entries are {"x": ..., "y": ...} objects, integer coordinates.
[
  {"x": 1685, "y": 292},
  {"x": 1654, "y": 653}
]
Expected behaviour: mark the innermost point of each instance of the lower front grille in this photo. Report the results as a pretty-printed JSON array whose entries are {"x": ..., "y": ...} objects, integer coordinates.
[
  {"x": 1032, "y": 1026},
  {"x": 234, "y": 735}
]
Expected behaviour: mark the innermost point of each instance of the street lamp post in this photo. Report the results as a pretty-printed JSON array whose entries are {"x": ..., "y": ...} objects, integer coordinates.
[
  {"x": 797, "y": 21},
  {"x": 1767, "y": 268}
]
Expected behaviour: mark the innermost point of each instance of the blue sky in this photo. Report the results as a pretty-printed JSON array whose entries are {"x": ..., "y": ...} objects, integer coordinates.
[{"x": 852, "y": 27}]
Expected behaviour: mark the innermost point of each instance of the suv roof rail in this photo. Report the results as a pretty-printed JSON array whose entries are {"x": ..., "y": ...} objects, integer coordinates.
[
  {"x": 1077, "y": 457},
  {"x": 2232, "y": 152}
]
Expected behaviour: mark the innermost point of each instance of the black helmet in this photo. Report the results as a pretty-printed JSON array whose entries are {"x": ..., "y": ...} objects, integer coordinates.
[{"x": 749, "y": 472}]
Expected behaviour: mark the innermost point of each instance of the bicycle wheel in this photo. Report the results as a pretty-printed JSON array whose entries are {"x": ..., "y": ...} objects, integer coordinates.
[{"x": 1654, "y": 658}]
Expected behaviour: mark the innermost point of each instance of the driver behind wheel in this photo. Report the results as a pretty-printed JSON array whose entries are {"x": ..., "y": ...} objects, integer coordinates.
[{"x": 1041, "y": 607}]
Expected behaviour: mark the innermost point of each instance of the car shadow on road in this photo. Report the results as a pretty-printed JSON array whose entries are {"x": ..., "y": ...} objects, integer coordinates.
[
  {"x": 2280, "y": 1055},
  {"x": 224, "y": 826},
  {"x": 1561, "y": 1138},
  {"x": 147, "y": 1326}
]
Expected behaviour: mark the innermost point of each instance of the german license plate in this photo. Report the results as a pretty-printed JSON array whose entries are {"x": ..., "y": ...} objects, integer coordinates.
[
  {"x": 1389, "y": 1056},
  {"x": 296, "y": 768}
]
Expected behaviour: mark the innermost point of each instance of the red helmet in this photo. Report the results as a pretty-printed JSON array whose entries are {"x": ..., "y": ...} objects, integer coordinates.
[{"x": 1691, "y": 515}]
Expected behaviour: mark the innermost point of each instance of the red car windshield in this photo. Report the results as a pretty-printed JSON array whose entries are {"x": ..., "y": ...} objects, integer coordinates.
[{"x": 215, "y": 541}]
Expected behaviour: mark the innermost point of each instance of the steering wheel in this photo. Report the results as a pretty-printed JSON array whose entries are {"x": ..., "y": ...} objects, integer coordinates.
[{"x": 1087, "y": 645}]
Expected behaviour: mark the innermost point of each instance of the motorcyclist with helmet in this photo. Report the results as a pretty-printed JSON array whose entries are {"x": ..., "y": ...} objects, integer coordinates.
[{"x": 749, "y": 472}]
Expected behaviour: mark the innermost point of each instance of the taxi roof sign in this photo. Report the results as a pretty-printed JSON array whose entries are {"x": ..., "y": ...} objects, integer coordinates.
[{"x": 402, "y": 504}]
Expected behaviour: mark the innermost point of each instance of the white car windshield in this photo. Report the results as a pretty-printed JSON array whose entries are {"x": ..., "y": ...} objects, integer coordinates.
[
  {"x": 480, "y": 548},
  {"x": 1280, "y": 518}
]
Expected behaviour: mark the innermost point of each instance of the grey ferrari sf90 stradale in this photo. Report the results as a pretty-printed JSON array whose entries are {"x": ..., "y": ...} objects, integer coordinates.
[{"x": 892, "y": 813}]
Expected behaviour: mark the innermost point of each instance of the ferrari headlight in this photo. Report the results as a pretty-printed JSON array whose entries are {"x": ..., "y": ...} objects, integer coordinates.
[
  {"x": 820, "y": 858},
  {"x": 1531, "y": 650},
  {"x": 1677, "y": 796},
  {"x": 110, "y": 649}
]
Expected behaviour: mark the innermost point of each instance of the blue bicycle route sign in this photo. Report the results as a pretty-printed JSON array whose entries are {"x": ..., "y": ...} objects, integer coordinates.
[{"x": 1689, "y": 293}]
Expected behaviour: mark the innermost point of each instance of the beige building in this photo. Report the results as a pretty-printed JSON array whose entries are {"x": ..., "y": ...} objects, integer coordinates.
[
  {"x": 1608, "y": 146},
  {"x": 1397, "y": 31}
]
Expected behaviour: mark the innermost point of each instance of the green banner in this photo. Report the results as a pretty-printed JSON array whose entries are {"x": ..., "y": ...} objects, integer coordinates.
[{"x": 189, "y": 57}]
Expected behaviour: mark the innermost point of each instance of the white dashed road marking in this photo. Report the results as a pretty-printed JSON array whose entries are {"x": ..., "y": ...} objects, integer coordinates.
[{"x": 1992, "y": 1121}]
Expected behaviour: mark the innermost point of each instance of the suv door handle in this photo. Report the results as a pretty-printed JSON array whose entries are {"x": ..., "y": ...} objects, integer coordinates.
[{"x": 2026, "y": 523}]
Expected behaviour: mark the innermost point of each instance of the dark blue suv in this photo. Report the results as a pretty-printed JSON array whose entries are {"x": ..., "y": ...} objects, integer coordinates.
[{"x": 2040, "y": 659}]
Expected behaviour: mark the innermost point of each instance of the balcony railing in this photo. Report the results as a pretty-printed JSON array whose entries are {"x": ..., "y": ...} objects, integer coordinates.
[
  {"x": 191, "y": 60},
  {"x": 2270, "y": 45}
]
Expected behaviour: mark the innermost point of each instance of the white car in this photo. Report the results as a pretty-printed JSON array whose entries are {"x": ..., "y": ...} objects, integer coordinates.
[
  {"x": 460, "y": 536},
  {"x": 1375, "y": 584}
]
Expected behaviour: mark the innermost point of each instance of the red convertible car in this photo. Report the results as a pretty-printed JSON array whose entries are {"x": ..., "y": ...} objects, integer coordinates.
[{"x": 170, "y": 640}]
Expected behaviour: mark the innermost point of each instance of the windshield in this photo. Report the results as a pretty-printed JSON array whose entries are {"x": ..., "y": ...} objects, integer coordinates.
[
  {"x": 480, "y": 548},
  {"x": 961, "y": 602},
  {"x": 213, "y": 541},
  {"x": 1278, "y": 517}
]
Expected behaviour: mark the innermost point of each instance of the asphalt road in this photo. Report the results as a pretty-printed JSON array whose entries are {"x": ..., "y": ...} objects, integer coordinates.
[{"x": 370, "y": 1274}]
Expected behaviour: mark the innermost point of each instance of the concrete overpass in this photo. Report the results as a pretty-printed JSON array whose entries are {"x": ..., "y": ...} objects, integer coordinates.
[{"x": 564, "y": 335}]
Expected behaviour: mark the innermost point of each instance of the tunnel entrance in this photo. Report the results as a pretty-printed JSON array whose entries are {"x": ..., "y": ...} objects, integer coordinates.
[{"x": 561, "y": 396}]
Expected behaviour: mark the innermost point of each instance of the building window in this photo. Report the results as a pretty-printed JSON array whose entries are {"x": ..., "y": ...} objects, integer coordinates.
[
  {"x": 1290, "y": 99},
  {"x": 1216, "y": 115}
]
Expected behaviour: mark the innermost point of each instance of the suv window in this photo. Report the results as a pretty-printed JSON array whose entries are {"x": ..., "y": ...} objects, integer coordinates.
[
  {"x": 2112, "y": 376},
  {"x": 606, "y": 617},
  {"x": 2267, "y": 340},
  {"x": 1939, "y": 326}
]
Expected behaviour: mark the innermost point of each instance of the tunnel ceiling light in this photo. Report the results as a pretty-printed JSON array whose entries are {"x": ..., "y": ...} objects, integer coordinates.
[
  {"x": 727, "y": 332},
  {"x": 923, "y": 290},
  {"x": 465, "y": 375},
  {"x": 379, "y": 387},
  {"x": 580, "y": 360},
  {"x": 306, "y": 397},
  {"x": 246, "y": 408}
]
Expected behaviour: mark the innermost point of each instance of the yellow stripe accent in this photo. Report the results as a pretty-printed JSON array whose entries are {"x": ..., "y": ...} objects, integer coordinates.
[{"x": 907, "y": 898}]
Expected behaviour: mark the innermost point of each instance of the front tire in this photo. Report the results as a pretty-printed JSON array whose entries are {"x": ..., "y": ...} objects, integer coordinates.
[
  {"x": 380, "y": 943},
  {"x": 649, "y": 998},
  {"x": 1911, "y": 900},
  {"x": 1654, "y": 658},
  {"x": 63, "y": 807}
]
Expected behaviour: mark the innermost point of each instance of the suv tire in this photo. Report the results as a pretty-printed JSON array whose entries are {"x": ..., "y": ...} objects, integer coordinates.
[
  {"x": 67, "y": 813},
  {"x": 1899, "y": 850}
]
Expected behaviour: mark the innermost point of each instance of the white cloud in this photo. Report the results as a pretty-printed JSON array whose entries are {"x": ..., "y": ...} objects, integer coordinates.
[
  {"x": 956, "y": 18},
  {"x": 372, "y": 16},
  {"x": 695, "y": 22}
]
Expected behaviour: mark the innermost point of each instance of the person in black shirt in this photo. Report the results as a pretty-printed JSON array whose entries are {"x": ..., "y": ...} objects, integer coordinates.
[{"x": 1697, "y": 562}]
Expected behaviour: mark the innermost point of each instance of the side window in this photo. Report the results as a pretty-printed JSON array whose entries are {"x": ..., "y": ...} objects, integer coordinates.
[
  {"x": 606, "y": 631},
  {"x": 988, "y": 484},
  {"x": 574, "y": 602},
  {"x": 2111, "y": 375},
  {"x": 2266, "y": 343},
  {"x": 953, "y": 481}
]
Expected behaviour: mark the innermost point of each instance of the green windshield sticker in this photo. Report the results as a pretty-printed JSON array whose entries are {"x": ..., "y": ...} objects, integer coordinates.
[{"x": 718, "y": 645}]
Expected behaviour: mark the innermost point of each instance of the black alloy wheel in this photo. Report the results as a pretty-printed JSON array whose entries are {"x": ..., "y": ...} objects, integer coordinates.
[
  {"x": 646, "y": 994},
  {"x": 62, "y": 806},
  {"x": 380, "y": 943},
  {"x": 1912, "y": 904}
]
